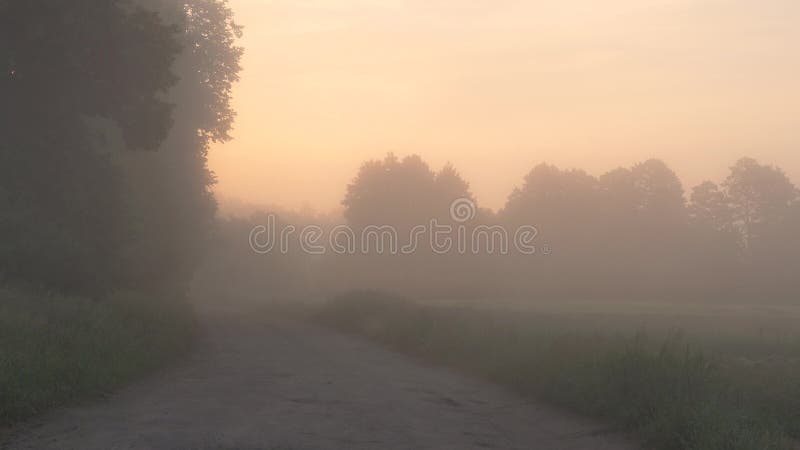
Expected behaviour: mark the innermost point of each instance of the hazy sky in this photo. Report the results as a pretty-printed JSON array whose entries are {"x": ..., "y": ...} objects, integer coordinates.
[{"x": 497, "y": 86}]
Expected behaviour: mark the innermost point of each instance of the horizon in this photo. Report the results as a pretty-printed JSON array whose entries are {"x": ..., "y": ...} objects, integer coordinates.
[{"x": 499, "y": 87}]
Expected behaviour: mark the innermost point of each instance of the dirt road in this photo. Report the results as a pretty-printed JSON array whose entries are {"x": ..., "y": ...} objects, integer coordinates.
[{"x": 280, "y": 385}]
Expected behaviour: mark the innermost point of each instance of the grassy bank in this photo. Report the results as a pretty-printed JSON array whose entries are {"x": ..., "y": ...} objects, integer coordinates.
[
  {"x": 688, "y": 390},
  {"x": 55, "y": 349}
]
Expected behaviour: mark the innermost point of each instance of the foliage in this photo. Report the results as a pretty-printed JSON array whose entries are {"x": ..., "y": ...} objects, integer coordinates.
[
  {"x": 403, "y": 193},
  {"x": 108, "y": 236},
  {"x": 676, "y": 393},
  {"x": 64, "y": 62},
  {"x": 55, "y": 349},
  {"x": 629, "y": 233},
  {"x": 758, "y": 196},
  {"x": 169, "y": 192},
  {"x": 67, "y": 59},
  {"x": 83, "y": 82}
]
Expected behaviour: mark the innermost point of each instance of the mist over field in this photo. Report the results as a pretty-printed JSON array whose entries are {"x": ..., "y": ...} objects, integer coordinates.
[
  {"x": 632, "y": 234},
  {"x": 263, "y": 224}
]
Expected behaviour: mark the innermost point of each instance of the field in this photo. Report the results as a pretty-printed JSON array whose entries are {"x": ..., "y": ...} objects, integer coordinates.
[
  {"x": 56, "y": 350},
  {"x": 680, "y": 377}
]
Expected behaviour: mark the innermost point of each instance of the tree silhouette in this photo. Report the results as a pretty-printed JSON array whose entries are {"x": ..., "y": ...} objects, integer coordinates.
[
  {"x": 63, "y": 63},
  {"x": 95, "y": 58},
  {"x": 711, "y": 206},
  {"x": 759, "y": 196},
  {"x": 659, "y": 191},
  {"x": 403, "y": 193},
  {"x": 548, "y": 196},
  {"x": 170, "y": 190}
]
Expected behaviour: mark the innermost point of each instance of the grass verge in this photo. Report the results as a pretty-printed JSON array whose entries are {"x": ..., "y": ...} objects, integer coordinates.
[
  {"x": 56, "y": 349},
  {"x": 675, "y": 392}
]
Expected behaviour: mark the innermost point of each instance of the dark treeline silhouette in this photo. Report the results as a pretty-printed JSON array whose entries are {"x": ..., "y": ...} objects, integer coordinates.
[
  {"x": 630, "y": 234},
  {"x": 108, "y": 110}
]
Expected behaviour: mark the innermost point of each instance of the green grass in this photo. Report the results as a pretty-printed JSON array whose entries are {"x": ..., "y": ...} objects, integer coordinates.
[
  {"x": 705, "y": 387},
  {"x": 56, "y": 349}
]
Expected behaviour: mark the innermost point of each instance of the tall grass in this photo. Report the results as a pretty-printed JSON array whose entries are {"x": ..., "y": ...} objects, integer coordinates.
[
  {"x": 56, "y": 349},
  {"x": 669, "y": 390}
]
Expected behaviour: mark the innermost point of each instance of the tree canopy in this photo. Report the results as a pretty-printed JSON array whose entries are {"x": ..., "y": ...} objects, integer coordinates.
[{"x": 78, "y": 211}]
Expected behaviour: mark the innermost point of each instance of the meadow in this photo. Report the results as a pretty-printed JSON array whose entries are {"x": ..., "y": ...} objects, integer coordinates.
[
  {"x": 678, "y": 377},
  {"x": 57, "y": 349}
]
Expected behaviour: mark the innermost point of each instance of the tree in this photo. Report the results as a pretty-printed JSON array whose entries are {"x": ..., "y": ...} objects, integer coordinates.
[
  {"x": 170, "y": 190},
  {"x": 759, "y": 196},
  {"x": 562, "y": 206},
  {"x": 553, "y": 197},
  {"x": 84, "y": 58},
  {"x": 621, "y": 197},
  {"x": 63, "y": 63},
  {"x": 636, "y": 216},
  {"x": 451, "y": 186},
  {"x": 659, "y": 192},
  {"x": 711, "y": 206},
  {"x": 403, "y": 193}
]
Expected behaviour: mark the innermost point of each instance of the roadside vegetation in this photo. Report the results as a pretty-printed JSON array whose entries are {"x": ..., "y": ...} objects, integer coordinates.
[
  {"x": 105, "y": 192},
  {"x": 56, "y": 349},
  {"x": 705, "y": 386}
]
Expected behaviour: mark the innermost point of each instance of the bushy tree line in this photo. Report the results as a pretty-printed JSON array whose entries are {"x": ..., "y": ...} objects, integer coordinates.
[
  {"x": 108, "y": 110},
  {"x": 632, "y": 233}
]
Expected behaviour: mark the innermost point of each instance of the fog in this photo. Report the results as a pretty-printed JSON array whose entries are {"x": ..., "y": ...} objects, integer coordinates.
[
  {"x": 497, "y": 87},
  {"x": 599, "y": 125},
  {"x": 630, "y": 234},
  {"x": 239, "y": 224}
]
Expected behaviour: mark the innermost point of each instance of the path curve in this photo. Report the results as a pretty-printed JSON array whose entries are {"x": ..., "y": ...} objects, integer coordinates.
[{"x": 285, "y": 385}]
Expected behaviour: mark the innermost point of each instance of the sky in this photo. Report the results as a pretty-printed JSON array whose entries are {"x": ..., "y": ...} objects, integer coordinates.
[{"x": 496, "y": 87}]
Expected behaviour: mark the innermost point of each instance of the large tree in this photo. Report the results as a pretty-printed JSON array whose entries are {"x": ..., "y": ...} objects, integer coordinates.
[
  {"x": 63, "y": 63},
  {"x": 68, "y": 59},
  {"x": 170, "y": 190}
]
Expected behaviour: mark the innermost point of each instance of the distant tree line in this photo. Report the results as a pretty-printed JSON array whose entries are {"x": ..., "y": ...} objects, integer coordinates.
[
  {"x": 632, "y": 233},
  {"x": 108, "y": 109}
]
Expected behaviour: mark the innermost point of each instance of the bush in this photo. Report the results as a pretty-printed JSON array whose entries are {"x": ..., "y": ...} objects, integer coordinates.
[
  {"x": 55, "y": 349},
  {"x": 669, "y": 391}
]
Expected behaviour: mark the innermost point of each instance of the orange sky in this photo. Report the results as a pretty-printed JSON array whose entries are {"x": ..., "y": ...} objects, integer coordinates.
[{"x": 497, "y": 86}]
